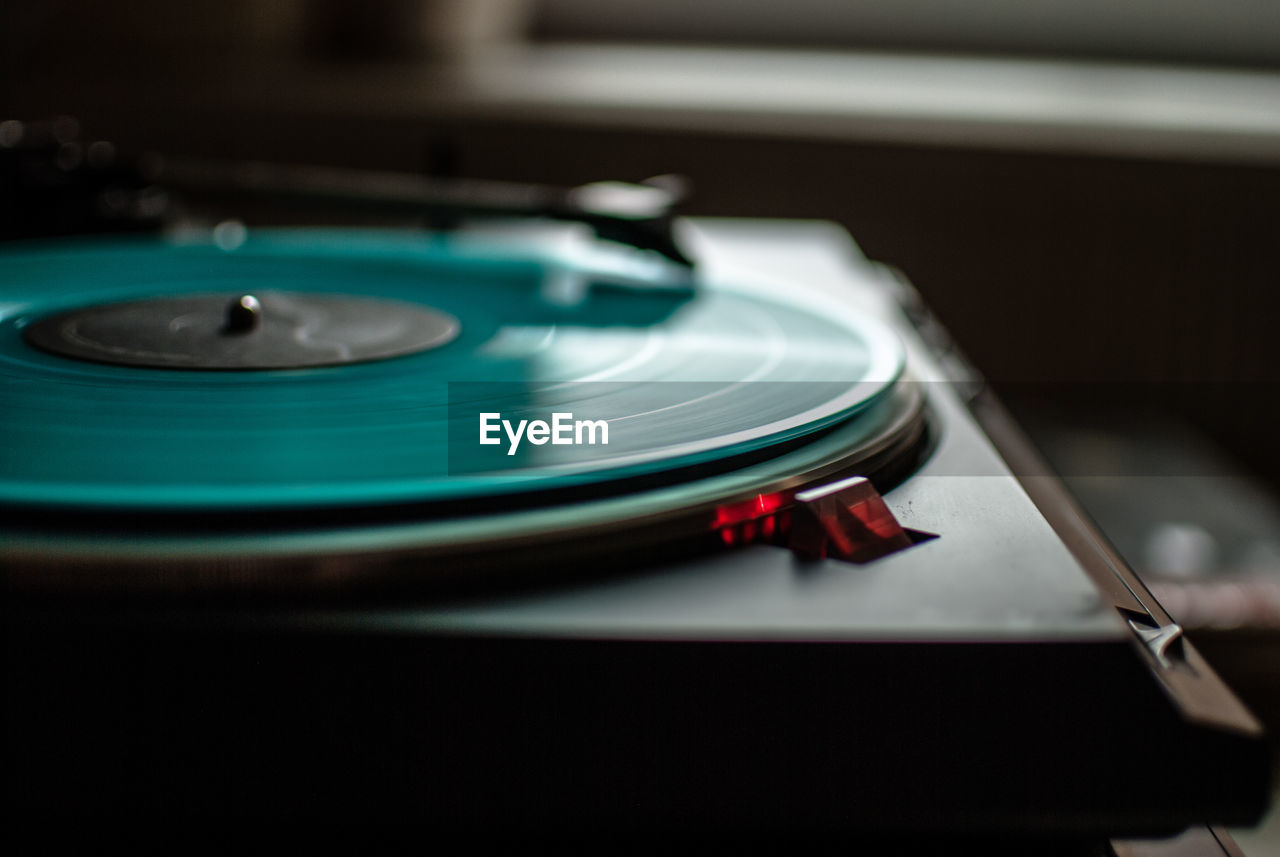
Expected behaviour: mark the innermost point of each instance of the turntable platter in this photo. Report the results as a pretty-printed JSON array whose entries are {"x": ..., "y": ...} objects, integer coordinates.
[{"x": 675, "y": 378}]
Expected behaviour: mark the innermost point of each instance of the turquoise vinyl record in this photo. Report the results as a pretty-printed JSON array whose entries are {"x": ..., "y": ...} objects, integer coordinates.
[{"x": 683, "y": 375}]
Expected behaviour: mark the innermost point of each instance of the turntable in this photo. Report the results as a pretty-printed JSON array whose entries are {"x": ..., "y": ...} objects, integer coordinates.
[{"x": 514, "y": 529}]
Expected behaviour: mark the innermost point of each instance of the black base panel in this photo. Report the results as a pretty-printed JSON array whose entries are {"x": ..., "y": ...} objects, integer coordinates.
[{"x": 556, "y": 736}]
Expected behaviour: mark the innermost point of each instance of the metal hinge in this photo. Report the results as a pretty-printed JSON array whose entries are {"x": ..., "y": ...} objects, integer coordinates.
[{"x": 1165, "y": 642}]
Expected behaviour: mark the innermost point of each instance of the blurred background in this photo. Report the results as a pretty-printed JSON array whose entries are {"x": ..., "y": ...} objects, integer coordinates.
[{"x": 1087, "y": 193}]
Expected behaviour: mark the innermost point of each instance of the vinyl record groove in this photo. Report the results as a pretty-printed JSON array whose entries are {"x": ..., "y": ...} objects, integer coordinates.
[{"x": 680, "y": 377}]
